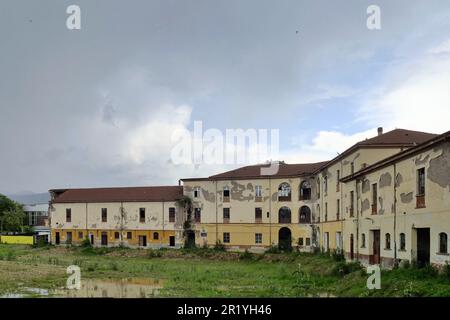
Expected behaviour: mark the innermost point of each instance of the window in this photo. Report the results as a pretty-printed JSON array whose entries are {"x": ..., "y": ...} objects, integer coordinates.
[
  {"x": 197, "y": 215},
  {"x": 338, "y": 177},
  {"x": 374, "y": 198},
  {"x": 226, "y": 215},
  {"x": 305, "y": 190},
  {"x": 388, "y": 241},
  {"x": 352, "y": 168},
  {"x": 304, "y": 215},
  {"x": 258, "y": 238},
  {"x": 338, "y": 209},
  {"x": 258, "y": 191},
  {"x": 284, "y": 215},
  {"x": 443, "y": 242},
  {"x": 141, "y": 214},
  {"x": 258, "y": 215},
  {"x": 171, "y": 214},
  {"x": 104, "y": 215},
  {"x": 284, "y": 192},
  {"x": 155, "y": 235},
  {"x": 116, "y": 235},
  {"x": 326, "y": 212},
  {"x": 129, "y": 235},
  {"x": 300, "y": 242},
  {"x": 68, "y": 215},
  {"x": 80, "y": 235},
  {"x": 420, "y": 198},
  {"x": 402, "y": 241},
  {"x": 352, "y": 201},
  {"x": 325, "y": 185},
  {"x": 308, "y": 241},
  {"x": 318, "y": 213},
  {"x": 318, "y": 188},
  {"x": 69, "y": 237},
  {"x": 197, "y": 192},
  {"x": 226, "y": 237},
  {"x": 363, "y": 240},
  {"x": 226, "y": 192}
]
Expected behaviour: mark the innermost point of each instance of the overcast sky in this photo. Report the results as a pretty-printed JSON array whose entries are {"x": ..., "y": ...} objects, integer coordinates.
[{"x": 97, "y": 106}]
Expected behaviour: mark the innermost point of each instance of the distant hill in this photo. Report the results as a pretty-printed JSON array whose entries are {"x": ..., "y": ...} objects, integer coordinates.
[{"x": 30, "y": 198}]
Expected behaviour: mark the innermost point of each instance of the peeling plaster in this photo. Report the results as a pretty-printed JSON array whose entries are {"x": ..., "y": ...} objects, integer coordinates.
[
  {"x": 385, "y": 180},
  {"x": 365, "y": 205},
  {"x": 209, "y": 196},
  {"x": 419, "y": 161},
  {"x": 365, "y": 187},
  {"x": 237, "y": 192},
  {"x": 406, "y": 197},
  {"x": 380, "y": 200},
  {"x": 438, "y": 170},
  {"x": 398, "y": 180}
]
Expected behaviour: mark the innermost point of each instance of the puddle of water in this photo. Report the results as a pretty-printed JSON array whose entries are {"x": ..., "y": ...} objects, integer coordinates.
[
  {"x": 111, "y": 288},
  {"x": 90, "y": 288}
]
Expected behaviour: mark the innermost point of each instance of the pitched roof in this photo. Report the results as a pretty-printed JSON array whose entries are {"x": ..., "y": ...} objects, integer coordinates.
[
  {"x": 392, "y": 139},
  {"x": 124, "y": 194},
  {"x": 400, "y": 156},
  {"x": 254, "y": 171}
]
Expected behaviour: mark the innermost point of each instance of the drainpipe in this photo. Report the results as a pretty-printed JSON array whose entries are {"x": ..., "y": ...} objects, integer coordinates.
[
  {"x": 217, "y": 217},
  {"x": 270, "y": 212},
  {"x": 395, "y": 213}
]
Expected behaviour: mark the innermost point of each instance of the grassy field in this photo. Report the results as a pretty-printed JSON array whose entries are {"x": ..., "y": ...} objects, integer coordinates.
[{"x": 209, "y": 273}]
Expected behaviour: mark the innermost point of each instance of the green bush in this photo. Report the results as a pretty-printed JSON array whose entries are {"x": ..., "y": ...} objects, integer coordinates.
[
  {"x": 219, "y": 246},
  {"x": 446, "y": 270},
  {"x": 338, "y": 255},
  {"x": 273, "y": 249},
  {"x": 343, "y": 268},
  {"x": 246, "y": 255},
  {"x": 154, "y": 253},
  {"x": 86, "y": 243}
]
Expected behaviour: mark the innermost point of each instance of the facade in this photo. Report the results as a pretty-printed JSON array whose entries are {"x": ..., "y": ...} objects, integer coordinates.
[
  {"x": 135, "y": 217},
  {"x": 36, "y": 216},
  {"x": 383, "y": 200}
]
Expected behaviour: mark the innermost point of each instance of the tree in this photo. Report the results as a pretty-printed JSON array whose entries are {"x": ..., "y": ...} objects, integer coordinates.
[
  {"x": 186, "y": 203},
  {"x": 11, "y": 214}
]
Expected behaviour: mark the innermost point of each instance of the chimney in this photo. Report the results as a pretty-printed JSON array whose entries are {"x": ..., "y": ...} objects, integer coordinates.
[{"x": 380, "y": 131}]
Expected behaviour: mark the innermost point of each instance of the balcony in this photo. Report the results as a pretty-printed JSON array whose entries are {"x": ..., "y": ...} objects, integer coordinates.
[{"x": 420, "y": 201}]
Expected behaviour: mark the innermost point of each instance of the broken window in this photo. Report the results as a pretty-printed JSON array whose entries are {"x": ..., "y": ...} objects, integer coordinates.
[
  {"x": 197, "y": 215},
  {"x": 402, "y": 241},
  {"x": 68, "y": 215},
  {"x": 258, "y": 215},
  {"x": 104, "y": 215},
  {"x": 258, "y": 191},
  {"x": 258, "y": 238},
  {"x": 141, "y": 214},
  {"x": 374, "y": 198},
  {"x": 304, "y": 215},
  {"x": 284, "y": 215},
  {"x": 171, "y": 214},
  {"x": 197, "y": 192},
  {"x": 388, "y": 241},
  {"x": 226, "y": 237},
  {"x": 155, "y": 235},
  {"x": 305, "y": 190},
  {"x": 226, "y": 215},
  {"x": 420, "y": 198},
  {"x": 284, "y": 192},
  {"x": 443, "y": 242}
]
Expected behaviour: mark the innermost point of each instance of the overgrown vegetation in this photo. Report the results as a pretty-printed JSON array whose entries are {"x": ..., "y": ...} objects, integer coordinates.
[{"x": 212, "y": 272}]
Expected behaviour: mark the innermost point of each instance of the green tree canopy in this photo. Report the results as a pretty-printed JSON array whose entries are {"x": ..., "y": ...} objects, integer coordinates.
[{"x": 11, "y": 214}]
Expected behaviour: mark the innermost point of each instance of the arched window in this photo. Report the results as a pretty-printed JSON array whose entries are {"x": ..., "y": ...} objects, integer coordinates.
[
  {"x": 304, "y": 215},
  {"x": 363, "y": 240},
  {"x": 284, "y": 215},
  {"x": 305, "y": 190},
  {"x": 388, "y": 241},
  {"x": 155, "y": 235},
  {"x": 402, "y": 241},
  {"x": 443, "y": 242},
  {"x": 284, "y": 192}
]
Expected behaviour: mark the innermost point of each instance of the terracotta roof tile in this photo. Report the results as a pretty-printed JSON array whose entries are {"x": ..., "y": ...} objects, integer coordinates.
[{"x": 125, "y": 194}]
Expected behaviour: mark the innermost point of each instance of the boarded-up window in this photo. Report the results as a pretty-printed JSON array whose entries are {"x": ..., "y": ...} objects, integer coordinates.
[
  {"x": 104, "y": 215},
  {"x": 171, "y": 214}
]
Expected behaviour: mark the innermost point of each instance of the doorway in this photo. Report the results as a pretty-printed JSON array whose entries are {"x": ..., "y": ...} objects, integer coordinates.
[
  {"x": 143, "y": 241},
  {"x": 91, "y": 236},
  {"x": 375, "y": 258},
  {"x": 190, "y": 239},
  {"x": 285, "y": 239},
  {"x": 57, "y": 240},
  {"x": 104, "y": 238},
  {"x": 172, "y": 241},
  {"x": 423, "y": 246}
]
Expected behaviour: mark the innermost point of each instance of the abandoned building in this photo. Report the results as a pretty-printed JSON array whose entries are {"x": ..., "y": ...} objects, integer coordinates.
[{"x": 384, "y": 199}]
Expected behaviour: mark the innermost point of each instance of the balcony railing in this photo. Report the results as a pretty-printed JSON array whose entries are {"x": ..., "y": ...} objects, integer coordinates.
[{"x": 420, "y": 201}]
